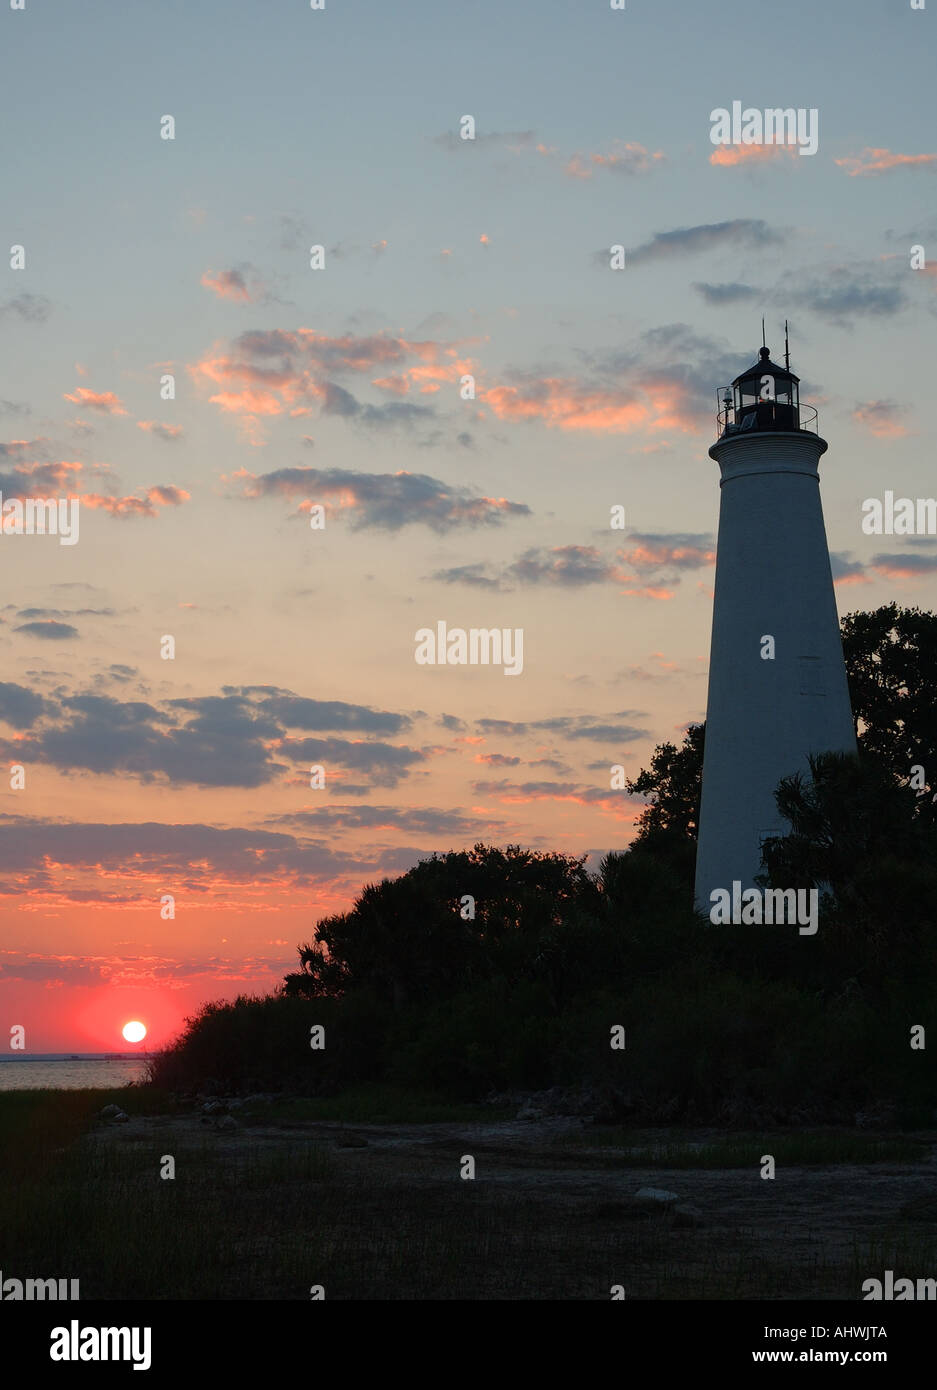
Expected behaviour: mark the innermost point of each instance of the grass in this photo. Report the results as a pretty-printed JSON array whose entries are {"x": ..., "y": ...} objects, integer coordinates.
[
  {"x": 740, "y": 1151},
  {"x": 266, "y": 1215}
]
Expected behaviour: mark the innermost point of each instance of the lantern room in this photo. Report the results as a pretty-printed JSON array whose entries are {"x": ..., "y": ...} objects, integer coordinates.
[{"x": 765, "y": 397}]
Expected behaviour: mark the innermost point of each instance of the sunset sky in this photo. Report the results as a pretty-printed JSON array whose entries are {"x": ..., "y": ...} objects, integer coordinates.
[{"x": 341, "y": 386}]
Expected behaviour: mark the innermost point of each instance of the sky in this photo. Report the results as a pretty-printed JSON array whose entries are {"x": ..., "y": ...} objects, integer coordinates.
[{"x": 345, "y": 388}]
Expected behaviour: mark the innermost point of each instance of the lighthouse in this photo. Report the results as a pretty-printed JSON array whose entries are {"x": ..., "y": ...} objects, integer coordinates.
[{"x": 777, "y": 680}]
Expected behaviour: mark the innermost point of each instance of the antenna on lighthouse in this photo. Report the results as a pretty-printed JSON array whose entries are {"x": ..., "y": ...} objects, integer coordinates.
[
  {"x": 787, "y": 349},
  {"x": 763, "y": 343}
]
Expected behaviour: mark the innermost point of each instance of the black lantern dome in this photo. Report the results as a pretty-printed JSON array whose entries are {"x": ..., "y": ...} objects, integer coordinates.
[{"x": 764, "y": 397}]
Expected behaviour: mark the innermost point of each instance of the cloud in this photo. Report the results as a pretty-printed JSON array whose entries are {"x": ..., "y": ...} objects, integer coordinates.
[
  {"x": 19, "y": 706},
  {"x": 625, "y": 157},
  {"x": 905, "y": 566},
  {"x": 477, "y": 575},
  {"x": 66, "y": 613},
  {"x": 66, "y": 478},
  {"x": 572, "y": 726},
  {"x": 618, "y": 804},
  {"x": 241, "y": 284},
  {"x": 32, "y": 308},
  {"x": 577, "y": 566},
  {"x": 880, "y": 418},
  {"x": 49, "y": 630},
  {"x": 729, "y": 156},
  {"x": 425, "y": 820},
  {"x": 238, "y": 739},
  {"x": 386, "y": 501},
  {"x": 741, "y": 233},
  {"x": 274, "y": 372},
  {"x": 337, "y": 401},
  {"x": 104, "y": 401},
  {"x": 568, "y": 404},
  {"x": 846, "y": 571},
  {"x": 74, "y": 972},
  {"x": 124, "y": 508},
  {"x": 511, "y": 140},
  {"x": 662, "y": 383},
  {"x": 190, "y": 856},
  {"x": 167, "y": 432},
  {"x": 27, "y": 449},
  {"x": 731, "y": 293},
  {"x": 872, "y": 162},
  {"x": 568, "y": 566},
  {"x": 385, "y": 764},
  {"x": 843, "y": 294},
  {"x": 668, "y": 550},
  {"x": 660, "y": 670},
  {"x": 296, "y": 712}
]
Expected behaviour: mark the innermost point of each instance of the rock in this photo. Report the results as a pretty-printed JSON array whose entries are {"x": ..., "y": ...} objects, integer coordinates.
[
  {"x": 235, "y": 1104},
  {"x": 227, "y": 1122},
  {"x": 656, "y": 1196},
  {"x": 213, "y": 1107},
  {"x": 351, "y": 1141},
  {"x": 110, "y": 1112},
  {"x": 120, "y": 1118},
  {"x": 684, "y": 1215}
]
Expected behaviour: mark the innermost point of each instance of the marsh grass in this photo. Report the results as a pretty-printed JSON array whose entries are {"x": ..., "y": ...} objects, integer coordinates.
[
  {"x": 251, "y": 1216},
  {"x": 742, "y": 1151}
]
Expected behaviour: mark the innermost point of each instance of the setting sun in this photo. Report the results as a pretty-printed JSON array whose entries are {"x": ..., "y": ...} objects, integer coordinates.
[{"x": 134, "y": 1032}]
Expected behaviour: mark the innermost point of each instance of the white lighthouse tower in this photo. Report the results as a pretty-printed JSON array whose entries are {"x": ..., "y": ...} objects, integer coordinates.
[{"x": 777, "y": 680}]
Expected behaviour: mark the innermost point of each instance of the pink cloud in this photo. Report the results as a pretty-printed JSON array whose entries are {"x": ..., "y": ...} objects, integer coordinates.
[
  {"x": 105, "y": 401},
  {"x": 160, "y": 430},
  {"x": 653, "y": 591},
  {"x": 649, "y": 554},
  {"x": 397, "y": 385},
  {"x": 728, "y": 156},
  {"x": 876, "y": 161},
  {"x": 128, "y": 507},
  {"x": 233, "y": 284},
  {"x": 274, "y": 372},
  {"x": 656, "y": 403},
  {"x": 42, "y": 479},
  {"x": 880, "y": 419},
  {"x": 626, "y": 157}
]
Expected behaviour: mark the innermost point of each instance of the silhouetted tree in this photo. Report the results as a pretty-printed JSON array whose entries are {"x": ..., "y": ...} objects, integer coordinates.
[
  {"x": 674, "y": 780},
  {"x": 855, "y": 836},
  {"x": 452, "y": 920},
  {"x": 891, "y": 662}
]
